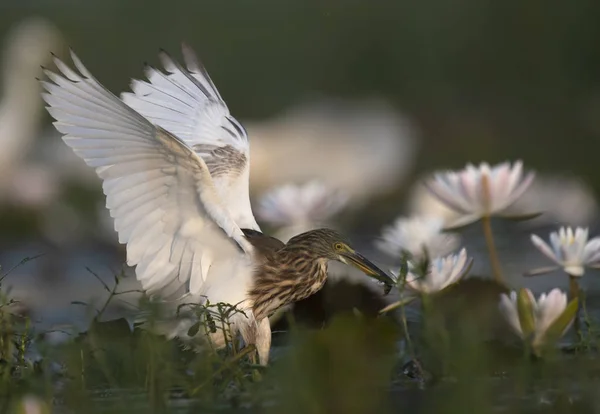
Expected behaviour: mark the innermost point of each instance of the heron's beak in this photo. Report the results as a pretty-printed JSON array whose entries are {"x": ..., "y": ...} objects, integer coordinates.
[{"x": 367, "y": 267}]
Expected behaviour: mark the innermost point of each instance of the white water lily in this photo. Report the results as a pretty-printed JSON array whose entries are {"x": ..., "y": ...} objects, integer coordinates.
[
  {"x": 541, "y": 314},
  {"x": 480, "y": 191},
  {"x": 442, "y": 272},
  {"x": 296, "y": 208},
  {"x": 293, "y": 205},
  {"x": 414, "y": 234},
  {"x": 570, "y": 249},
  {"x": 564, "y": 198},
  {"x": 422, "y": 202}
]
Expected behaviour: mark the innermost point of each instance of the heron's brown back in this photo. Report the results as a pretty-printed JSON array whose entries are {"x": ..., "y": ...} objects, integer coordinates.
[
  {"x": 285, "y": 273},
  {"x": 266, "y": 246}
]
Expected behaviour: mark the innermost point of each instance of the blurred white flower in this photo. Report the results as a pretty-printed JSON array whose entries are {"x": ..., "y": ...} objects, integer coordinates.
[
  {"x": 304, "y": 205},
  {"x": 563, "y": 199},
  {"x": 570, "y": 250},
  {"x": 442, "y": 272},
  {"x": 31, "y": 404},
  {"x": 481, "y": 191},
  {"x": 323, "y": 138},
  {"x": 33, "y": 186},
  {"x": 422, "y": 202},
  {"x": 27, "y": 48},
  {"x": 540, "y": 314},
  {"x": 413, "y": 234}
]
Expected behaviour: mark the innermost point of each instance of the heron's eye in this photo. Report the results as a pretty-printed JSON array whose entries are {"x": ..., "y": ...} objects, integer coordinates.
[{"x": 338, "y": 246}]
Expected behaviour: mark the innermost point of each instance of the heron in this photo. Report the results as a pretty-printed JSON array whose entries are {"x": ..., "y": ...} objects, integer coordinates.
[{"x": 174, "y": 165}]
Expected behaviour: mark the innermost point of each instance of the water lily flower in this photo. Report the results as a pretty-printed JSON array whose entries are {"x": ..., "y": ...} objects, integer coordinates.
[
  {"x": 300, "y": 207},
  {"x": 482, "y": 191},
  {"x": 441, "y": 273},
  {"x": 422, "y": 202},
  {"x": 416, "y": 234},
  {"x": 564, "y": 198},
  {"x": 539, "y": 321},
  {"x": 570, "y": 249}
]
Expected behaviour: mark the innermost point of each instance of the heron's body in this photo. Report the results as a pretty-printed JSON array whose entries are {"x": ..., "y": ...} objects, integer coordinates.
[
  {"x": 175, "y": 171},
  {"x": 289, "y": 273}
]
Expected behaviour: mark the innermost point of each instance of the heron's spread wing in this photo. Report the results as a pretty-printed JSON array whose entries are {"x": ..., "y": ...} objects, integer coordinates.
[
  {"x": 158, "y": 190},
  {"x": 185, "y": 102}
]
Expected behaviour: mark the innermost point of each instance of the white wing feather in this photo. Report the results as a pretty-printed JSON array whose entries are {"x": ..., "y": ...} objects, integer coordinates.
[
  {"x": 159, "y": 191},
  {"x": 186, "y": 103}
]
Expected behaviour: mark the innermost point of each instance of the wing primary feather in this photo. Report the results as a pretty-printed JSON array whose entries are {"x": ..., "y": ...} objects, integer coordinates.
[
  {"x": 149, "y": 71},
  {"x": 194, "y": 65},
  {"x": 229, "y": 131},
  {"x": 135, "y": 85},
  {"x": 239, "y": 128},
  {"x": 172, "y": 66}
]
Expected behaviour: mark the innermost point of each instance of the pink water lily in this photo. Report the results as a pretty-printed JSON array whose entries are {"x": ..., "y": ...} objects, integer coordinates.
[{"x": 480, "y": 191}]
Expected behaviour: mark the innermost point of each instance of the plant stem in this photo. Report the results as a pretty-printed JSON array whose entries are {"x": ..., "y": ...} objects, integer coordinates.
[
  {"x": 248, "y": 350},
  {"x": 409, "y": 344},
  {"x": 573, "y": 287},
  {"x": 575, "y": 293},
  {"x": 489, "y": 240}
]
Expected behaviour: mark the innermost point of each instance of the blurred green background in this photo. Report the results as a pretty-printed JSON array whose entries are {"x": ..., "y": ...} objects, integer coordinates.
[{"x": 482, "y": 80}]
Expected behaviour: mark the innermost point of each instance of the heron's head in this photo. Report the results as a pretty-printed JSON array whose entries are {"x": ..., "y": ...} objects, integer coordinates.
[{"x": 329, "y": 244}]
